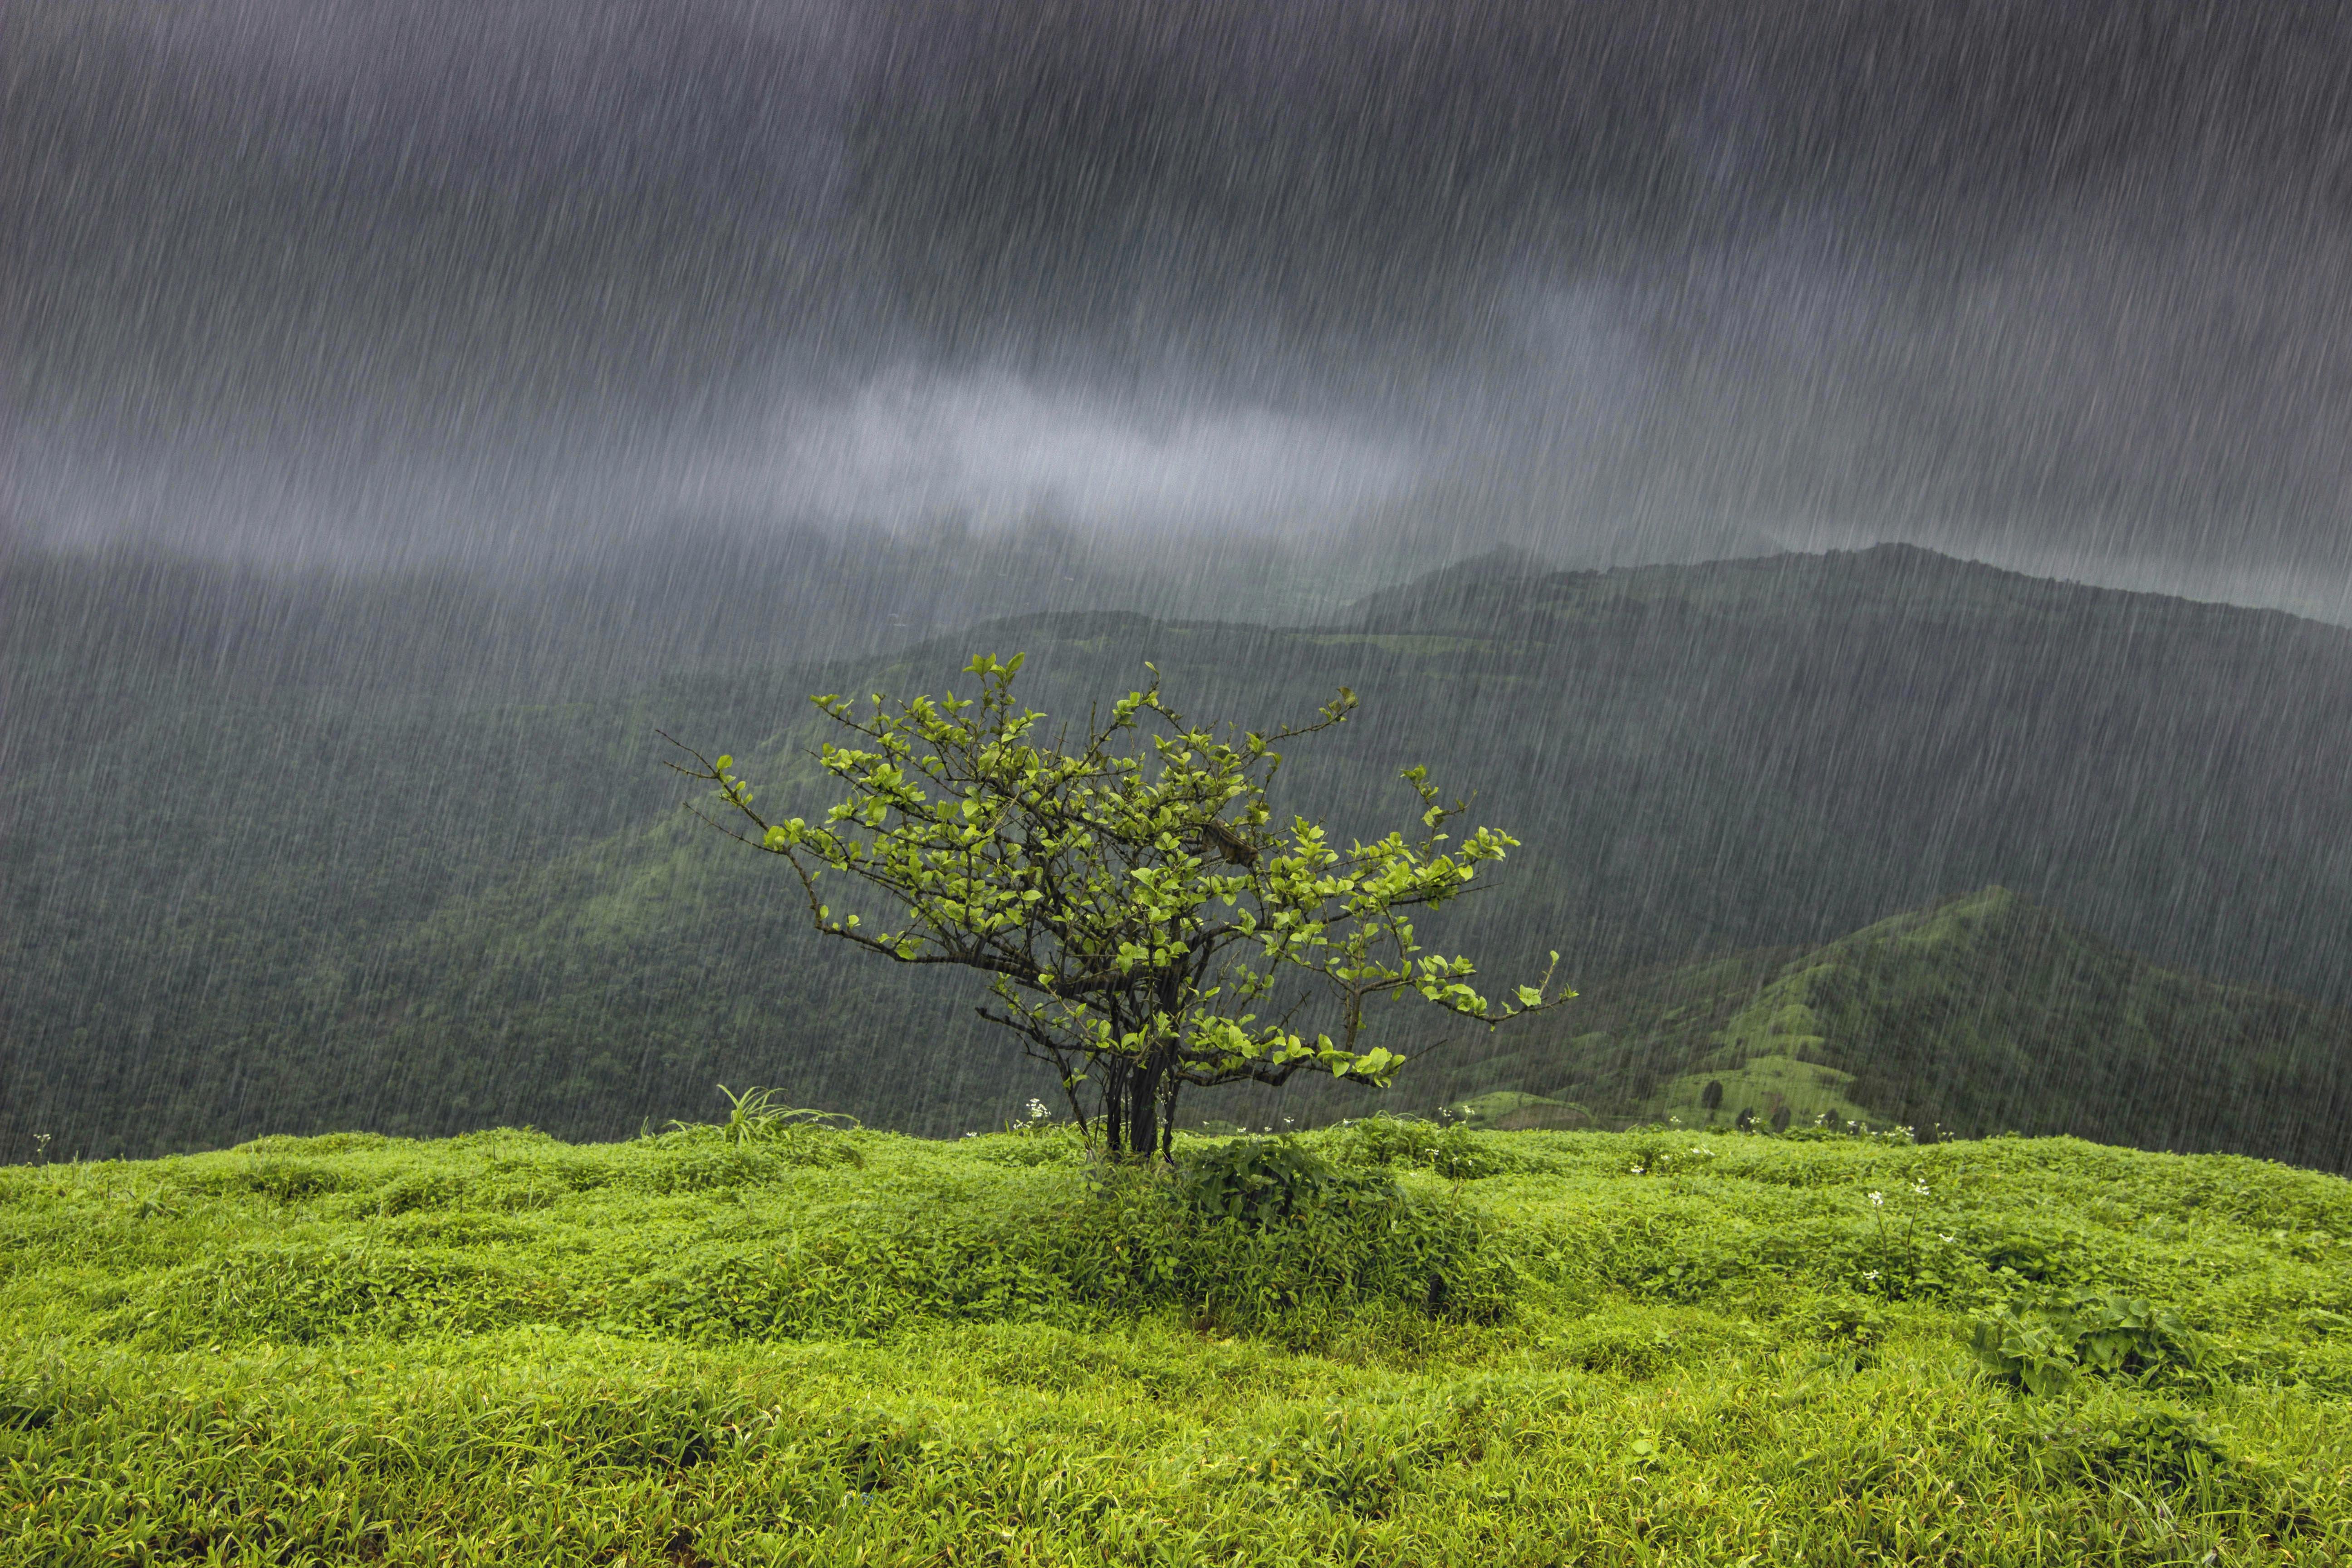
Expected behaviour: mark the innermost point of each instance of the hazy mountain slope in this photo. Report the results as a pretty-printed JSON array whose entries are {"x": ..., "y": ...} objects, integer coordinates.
[
  {"x": 238, "y": 906},
  {"x": 1982, "y": 1013},
  {"x": 2173, "y": 774},
  {"x": 135, "y": 627}
]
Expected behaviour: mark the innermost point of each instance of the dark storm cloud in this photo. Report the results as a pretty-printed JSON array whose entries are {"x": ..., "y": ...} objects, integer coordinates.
[
  {"x": 2065, "y": 278},
  {"x": 1081, "y": 149},
  {"x": 479, "y": 198}
]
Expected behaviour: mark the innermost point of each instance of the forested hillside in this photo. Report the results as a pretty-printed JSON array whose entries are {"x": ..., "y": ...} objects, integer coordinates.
[
  {"x": 249, "y": 891},
  {"x": 1980, "y": 1015}
]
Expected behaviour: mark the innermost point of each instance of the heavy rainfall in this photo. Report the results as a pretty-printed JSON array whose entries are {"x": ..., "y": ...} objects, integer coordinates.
[
  {"x": 1855, "y": 495},
  {"x": 1795, "y": 464},
  {"x": 415, "y": 407}
]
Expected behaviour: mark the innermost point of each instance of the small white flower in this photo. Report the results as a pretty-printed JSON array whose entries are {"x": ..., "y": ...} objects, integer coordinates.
[
  {"x": 1637, "y": 1170},
  {"x": 1920, "y": 1188},
  {"x": 1872, "y": 1276},
  {"x": 1878, "y": 1200},
  {"x": 1949, "y": 1238}
]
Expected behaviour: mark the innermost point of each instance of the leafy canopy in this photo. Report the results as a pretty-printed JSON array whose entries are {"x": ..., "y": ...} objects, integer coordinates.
[{"x": 1145, "y": 924}]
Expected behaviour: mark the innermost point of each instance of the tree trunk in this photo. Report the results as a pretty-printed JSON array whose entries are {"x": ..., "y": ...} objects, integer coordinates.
[
  {"x": 1144, "y": 1110},
  {"x": 1116, "y": 1090}
]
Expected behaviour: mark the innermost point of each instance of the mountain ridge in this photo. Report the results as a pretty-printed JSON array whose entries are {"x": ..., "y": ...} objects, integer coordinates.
[{"x": 1466, "y": 596}]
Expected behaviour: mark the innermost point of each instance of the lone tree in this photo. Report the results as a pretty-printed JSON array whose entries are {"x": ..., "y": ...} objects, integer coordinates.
[{"x": 1128, "y": 895}]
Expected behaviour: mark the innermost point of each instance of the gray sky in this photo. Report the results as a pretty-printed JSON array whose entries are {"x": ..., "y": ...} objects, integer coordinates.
[{"x": 2063, "y": 284}]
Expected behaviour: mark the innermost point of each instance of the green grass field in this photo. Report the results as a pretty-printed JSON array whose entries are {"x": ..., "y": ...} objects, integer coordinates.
[{"x": 812, "y": 1347}]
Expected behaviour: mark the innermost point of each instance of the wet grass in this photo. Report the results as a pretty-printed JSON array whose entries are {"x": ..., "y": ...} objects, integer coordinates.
[
  {"x": 1761, "y": 1085},
  {"x": 836, "y": 1348}
]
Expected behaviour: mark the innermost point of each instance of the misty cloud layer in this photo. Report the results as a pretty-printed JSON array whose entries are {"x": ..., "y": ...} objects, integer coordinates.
[{"x": 2064, "y": 287}]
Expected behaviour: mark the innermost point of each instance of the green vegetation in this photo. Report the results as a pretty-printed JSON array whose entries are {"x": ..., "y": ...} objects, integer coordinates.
[
  {"x": 784, "y": 1341},
  {"x": 1127, "y": 926},
  {"x": 1508, "y": 1109},
  {"x": 1759, "y": 1087},
  {"x": 1980, "y": 1015}
]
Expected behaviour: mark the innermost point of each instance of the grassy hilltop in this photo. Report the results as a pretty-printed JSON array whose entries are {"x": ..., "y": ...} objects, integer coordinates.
[{"x": 787, "y": 1344}]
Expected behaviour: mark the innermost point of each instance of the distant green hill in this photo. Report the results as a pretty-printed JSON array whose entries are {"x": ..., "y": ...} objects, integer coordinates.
[{"x": 1979, "y": 1015}]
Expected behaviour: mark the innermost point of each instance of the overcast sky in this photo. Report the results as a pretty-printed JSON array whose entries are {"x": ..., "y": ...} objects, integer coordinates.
[{"x": 2063, "y": 284}]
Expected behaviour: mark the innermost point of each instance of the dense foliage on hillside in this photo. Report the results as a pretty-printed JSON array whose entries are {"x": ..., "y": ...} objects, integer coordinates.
[
  {"x": 1982, "y": 1014},
  {"x": 784, "y": 1344},
  {"x": 256, "y": 883}
]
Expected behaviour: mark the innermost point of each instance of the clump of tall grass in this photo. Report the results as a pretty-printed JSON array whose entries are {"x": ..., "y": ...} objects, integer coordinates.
[
  {"x": 755, "y": 1117},
  {"x": 1269, "y": 1235},
  {"x": 1449, "y": 1150}
]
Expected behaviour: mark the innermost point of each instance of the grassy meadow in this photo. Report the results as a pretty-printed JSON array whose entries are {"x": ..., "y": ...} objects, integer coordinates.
[{"x": 1386, "y": 1343}]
